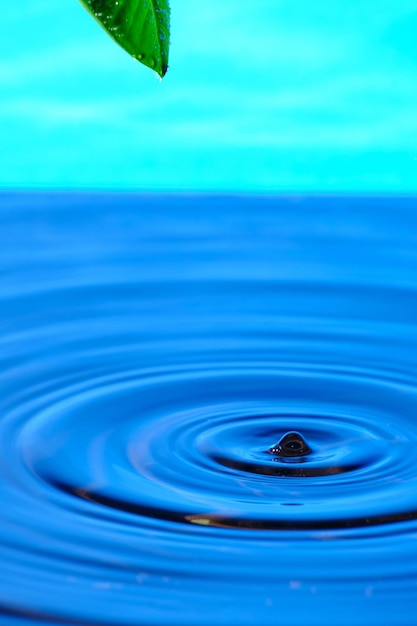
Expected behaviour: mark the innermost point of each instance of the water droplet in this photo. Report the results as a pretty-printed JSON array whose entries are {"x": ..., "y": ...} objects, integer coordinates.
[{"x": 291, "y": 445}]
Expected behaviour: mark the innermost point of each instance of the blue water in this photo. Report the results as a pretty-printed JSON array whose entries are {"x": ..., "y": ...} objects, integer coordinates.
[{"x": 155, "y": 351}]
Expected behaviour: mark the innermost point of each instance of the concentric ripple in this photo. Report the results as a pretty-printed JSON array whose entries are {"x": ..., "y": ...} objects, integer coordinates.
[
  {"x": 145, "y": 445},
  {"x": 208, "y": 420}
]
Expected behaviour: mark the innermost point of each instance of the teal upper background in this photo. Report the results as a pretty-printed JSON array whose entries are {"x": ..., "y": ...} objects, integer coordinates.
[{"x": 272, "y": 95}]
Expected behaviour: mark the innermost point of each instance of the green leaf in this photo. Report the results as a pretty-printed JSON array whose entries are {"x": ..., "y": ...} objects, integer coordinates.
[{"x": 141, "y": 27}]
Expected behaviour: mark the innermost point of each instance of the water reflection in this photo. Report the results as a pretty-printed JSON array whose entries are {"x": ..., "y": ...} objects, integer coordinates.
[{"x": 153, "y": 349}]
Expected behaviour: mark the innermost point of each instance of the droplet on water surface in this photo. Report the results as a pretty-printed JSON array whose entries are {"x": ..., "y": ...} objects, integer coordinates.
[{"x": 291, "y": 445}]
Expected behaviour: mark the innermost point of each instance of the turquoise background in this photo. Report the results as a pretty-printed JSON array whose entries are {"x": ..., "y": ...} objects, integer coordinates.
[{"x": 272, "y": 95}]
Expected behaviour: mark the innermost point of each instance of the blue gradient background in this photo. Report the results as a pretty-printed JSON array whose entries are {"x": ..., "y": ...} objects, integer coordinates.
[{"x": 275, "y": 95}]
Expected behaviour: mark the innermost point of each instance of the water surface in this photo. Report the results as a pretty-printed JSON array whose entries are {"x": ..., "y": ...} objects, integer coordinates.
[{"x": 208, "y": 410}]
